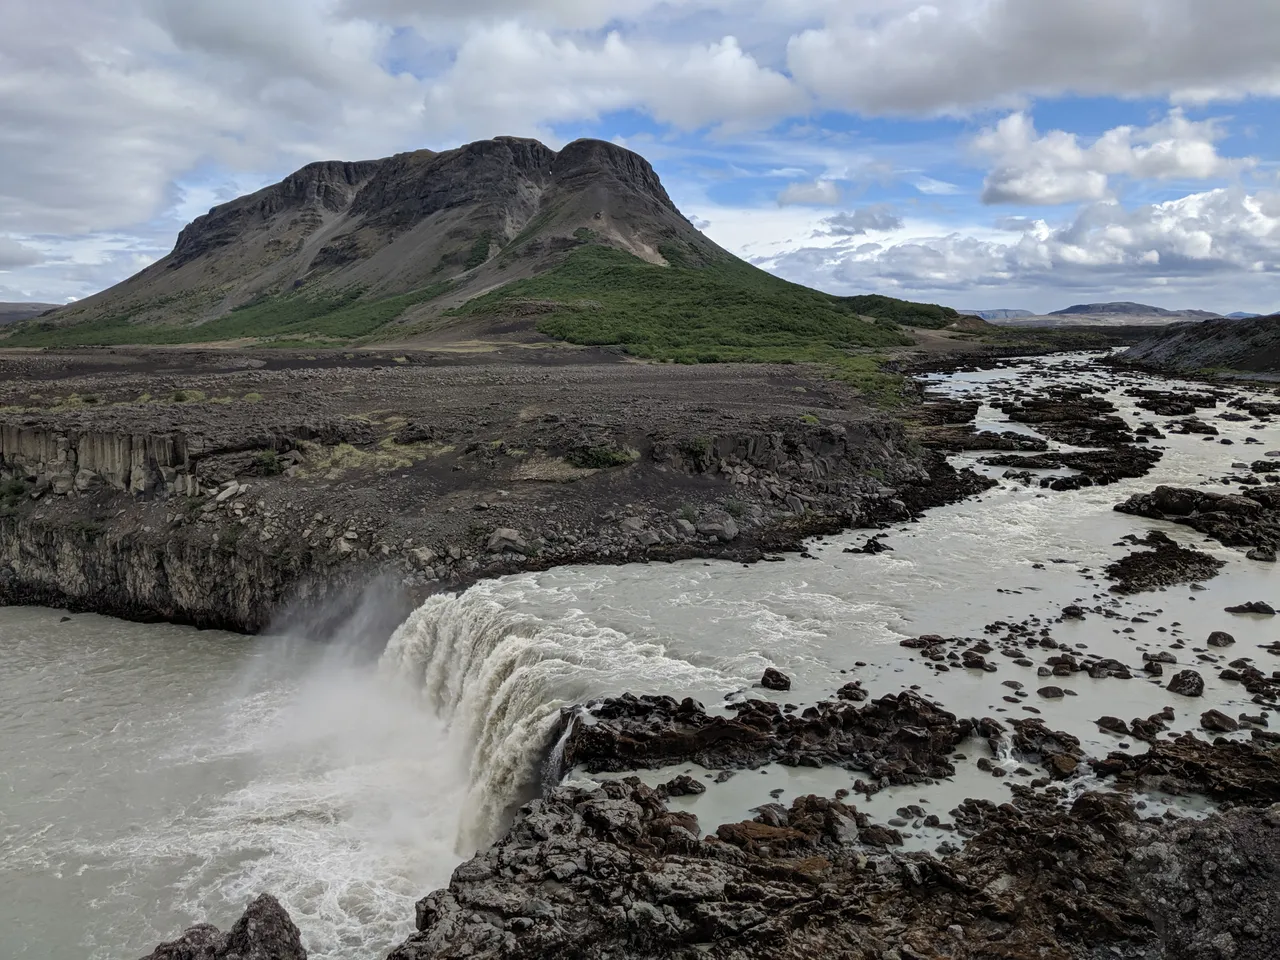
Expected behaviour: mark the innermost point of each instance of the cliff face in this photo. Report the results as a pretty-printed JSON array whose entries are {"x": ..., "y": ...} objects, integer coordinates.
[
  {"x": 79, "y": 460},
  {"x": 381, "y": 228},
  {"x": 1250, "y": 346}
]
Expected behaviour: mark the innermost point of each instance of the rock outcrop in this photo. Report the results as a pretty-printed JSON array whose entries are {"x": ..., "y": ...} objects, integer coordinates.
[
  {"x": 898, "y": 739},
  {"x": 1235, "y": 520},
  {"x": 264, "y": 932},
  {"x": 615, "y": 873},
  {"x": 1247, "y": 345}
]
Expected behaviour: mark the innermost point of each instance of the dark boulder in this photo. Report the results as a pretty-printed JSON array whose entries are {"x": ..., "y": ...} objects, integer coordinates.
[
  {"x": 264, "y": 932},
  {"x": 1188, "y": 683},
  {"x": 775, "y": 680}
]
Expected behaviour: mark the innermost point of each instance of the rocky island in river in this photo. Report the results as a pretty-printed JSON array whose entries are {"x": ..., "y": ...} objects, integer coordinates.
[{"x": 822, "y": 627}]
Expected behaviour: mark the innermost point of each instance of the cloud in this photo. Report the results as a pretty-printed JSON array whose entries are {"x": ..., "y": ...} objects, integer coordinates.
[
  {"x": 14, "y": 254},
  {"x": 1056, "y": 168},
  {"x": 814, "y": 193},
  {"x": 937, "y": 188},
  {"x": 1197, "y": 239},
  {"x": 510, "y": 78},
  {"x": 857, "y": 223},
  {"x": 905, "y": 57}
]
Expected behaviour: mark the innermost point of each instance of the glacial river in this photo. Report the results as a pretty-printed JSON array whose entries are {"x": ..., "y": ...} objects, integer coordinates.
[{"x": 152, "y": 776}]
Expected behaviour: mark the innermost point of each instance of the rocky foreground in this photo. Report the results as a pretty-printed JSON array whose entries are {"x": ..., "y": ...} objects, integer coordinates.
[
  {"x": 214, "y": 488},
  {"x": 1056, "y": 873}
]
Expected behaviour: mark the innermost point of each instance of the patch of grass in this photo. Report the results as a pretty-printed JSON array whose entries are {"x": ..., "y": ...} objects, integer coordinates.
[
  {"x": 387, "y": 455},
  {"x": 12, "y": 493},
  {"x": 479, "y": 251},
  {"x": 722, "y": 311},
  {"x": 188, "y": 396},
  {"x": 689, "y": 512},
  {"x": 252, "y": 398},
  {"x": 735, "y": 508},
  {"x": 284, "y": 319},
  {"x": 810, "y": 419},
  {"x": 268, "y": 464},
  {"x": 602, "y": 458}
]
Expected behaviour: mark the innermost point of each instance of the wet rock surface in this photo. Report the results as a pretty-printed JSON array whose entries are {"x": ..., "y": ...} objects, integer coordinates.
[
  {"x": 1235, "y": 520},
  {"x": 615, "y": 873},
  {"x": 1164, "y": 564},
  {"x": 264, "y": 932},
  {"x": 898, "y": 739}
]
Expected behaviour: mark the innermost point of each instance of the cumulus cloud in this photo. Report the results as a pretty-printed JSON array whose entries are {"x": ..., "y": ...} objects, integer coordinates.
[
  {"x": 911, "y": 58},
  {"x": 514, "y": 78},
  {"x": 812, "y": 193},
  {"x": 856, "y": 223},
  {"x": 1214, "y": 235},
  {"x": 15, "y": 254},
  {"x": 1057, "y": 168}
]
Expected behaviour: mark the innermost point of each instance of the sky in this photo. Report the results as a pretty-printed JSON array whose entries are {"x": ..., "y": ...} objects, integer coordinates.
[{"x": 978, "y": 153}]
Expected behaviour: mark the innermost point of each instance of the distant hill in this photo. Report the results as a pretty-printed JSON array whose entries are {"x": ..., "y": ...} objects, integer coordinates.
[
  {"x": 1127, "y": 308},
  {"x": 1248, "y": 345},
  {"x": 1117, "y": 313},
  {"x": 502, "y": 238},
  {"x": 14, "y": 312},
  {"x": 998, "y": 314},
  {"x": 1238, "y": 315}
]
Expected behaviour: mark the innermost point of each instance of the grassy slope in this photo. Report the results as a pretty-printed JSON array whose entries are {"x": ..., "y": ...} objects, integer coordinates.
[
  {"x": 724, "y": 311},
  {"x": 718, "y": 312},
  {"x": 692, "y": 312},
  {"x": 281, "y": 319}
]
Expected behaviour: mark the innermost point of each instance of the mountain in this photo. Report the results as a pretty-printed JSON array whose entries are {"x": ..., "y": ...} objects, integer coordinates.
[
  {"x": 1247, "y": 345},
  {"x": 1002, "y": 314},
  {"x": 1127, "y": 308},
  {"x": 505, "y": 235},
  {"x": 13, "y": 312},
  {"x": 1240, "y": 315}
]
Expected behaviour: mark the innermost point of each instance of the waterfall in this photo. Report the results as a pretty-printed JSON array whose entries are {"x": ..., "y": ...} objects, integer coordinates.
[{"x": 498, "y": 677}]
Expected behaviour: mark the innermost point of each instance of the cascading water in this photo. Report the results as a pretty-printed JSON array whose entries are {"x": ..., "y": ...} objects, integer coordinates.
[{"x": 498, "y": 680}]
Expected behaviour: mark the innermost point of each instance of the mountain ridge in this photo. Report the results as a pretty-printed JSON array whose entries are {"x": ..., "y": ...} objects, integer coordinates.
[{"x": 345, "y": 252}]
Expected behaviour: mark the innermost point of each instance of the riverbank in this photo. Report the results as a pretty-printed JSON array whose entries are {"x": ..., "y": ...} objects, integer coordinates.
[{"x": 216, "y": 488}]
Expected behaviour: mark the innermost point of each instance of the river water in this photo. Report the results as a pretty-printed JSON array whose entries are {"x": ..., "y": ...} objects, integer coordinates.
[{"x": 152, "y": 776}]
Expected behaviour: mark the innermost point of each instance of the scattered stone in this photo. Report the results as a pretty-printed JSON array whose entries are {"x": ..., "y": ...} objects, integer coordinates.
[
  {"x": 1255, "y": 606},
  {"x": 1188, "y": 683},
  {"x": 775, "y": 680}
]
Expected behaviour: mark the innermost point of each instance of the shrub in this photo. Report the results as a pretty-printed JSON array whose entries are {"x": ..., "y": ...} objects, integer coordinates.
[
  {"x": 268, "y": 464},
  {"x": 602, "y": 458}
]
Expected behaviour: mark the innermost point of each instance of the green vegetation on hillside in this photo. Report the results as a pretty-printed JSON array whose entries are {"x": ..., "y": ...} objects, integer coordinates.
[
  {"x": 719, "y": 312},
  {"x": 722, "y": 312},
  {"x": 281, "y": 319}
]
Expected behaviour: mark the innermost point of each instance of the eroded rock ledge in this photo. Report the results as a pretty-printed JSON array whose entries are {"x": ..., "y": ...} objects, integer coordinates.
[{"x": 615, "y": 873}]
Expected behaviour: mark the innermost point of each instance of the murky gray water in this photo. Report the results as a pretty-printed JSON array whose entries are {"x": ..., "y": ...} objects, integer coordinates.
[{"x": 151, "y": 776}]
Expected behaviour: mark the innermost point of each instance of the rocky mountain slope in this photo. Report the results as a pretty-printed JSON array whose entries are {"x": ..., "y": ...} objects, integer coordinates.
[
  {"x": 390, "y": 249},
  {"x": 1251, "y": 346}
]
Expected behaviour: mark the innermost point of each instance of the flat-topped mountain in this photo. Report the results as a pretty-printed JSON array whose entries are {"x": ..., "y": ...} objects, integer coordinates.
[
  {"x": 582, "y": 244},
  {"x": 1129, "y": 308}
]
